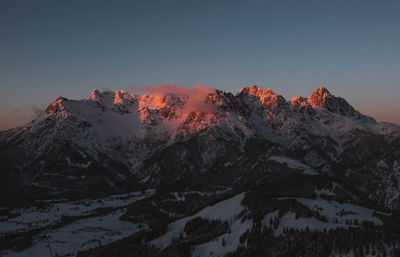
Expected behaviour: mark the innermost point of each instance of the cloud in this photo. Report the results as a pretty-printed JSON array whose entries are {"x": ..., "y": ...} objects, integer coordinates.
[
  {"x": 195, "y": 97},
  {"x": 180, "y": 91},
  {"x": 37, "y": 111}
]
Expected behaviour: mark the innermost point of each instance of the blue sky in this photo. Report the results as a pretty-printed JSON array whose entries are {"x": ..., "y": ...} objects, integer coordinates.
[{"x": 52, "y": 48}]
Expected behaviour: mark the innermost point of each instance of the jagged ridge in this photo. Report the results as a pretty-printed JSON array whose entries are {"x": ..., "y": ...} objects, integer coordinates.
[{"x": 115, "y": 139}]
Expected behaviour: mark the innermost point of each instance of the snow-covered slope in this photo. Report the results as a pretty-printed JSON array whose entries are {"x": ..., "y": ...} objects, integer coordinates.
[
  {"x": 114, "y": 141},
  {"x": 89, "y": 226}
]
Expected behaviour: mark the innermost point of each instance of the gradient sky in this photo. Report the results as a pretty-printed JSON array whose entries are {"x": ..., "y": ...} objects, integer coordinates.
[{"x": 67, "y": 48}]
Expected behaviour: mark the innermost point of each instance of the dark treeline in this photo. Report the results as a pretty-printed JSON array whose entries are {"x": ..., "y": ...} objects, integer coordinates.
[{"x": 361, "y": 241}]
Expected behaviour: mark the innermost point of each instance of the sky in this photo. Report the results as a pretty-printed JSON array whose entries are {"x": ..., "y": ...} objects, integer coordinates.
[{"x": 51, "y": 48}]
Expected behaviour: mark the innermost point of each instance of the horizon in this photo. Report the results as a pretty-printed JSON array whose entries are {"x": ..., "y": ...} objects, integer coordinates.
[{"x": 68, "y": 48}]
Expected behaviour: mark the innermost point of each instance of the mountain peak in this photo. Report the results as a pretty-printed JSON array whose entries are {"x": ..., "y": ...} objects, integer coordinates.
[
  {"x": 255, "y": 90},
  {"x": 56, "y": 105},
  {"x": 298, "y": 102},
  {"x": 321, "y": 91},
  {"x": 95, "y": 95},
  {"x": 320, "y": 98}
]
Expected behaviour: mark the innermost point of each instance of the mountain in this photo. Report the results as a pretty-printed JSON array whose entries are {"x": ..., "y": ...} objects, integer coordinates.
[
  {"x": 244, "y": 151},
  {"x": 113, "y": 137}
]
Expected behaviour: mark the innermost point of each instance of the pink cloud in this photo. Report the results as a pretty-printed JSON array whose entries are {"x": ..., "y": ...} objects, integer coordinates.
[{"x": 195, "y": 97}]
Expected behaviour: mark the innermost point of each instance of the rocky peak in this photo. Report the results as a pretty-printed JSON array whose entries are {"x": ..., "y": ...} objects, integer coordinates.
[
  {"x": 55, "y": 106},
  {"x": 322, "y": 91},
  {"x": 298, "y": 102},
  {"x": 320, "y": 98},
  {"x": 255, "y": 90},
  {"x": 95, "y": 95},
  {"x": 120, "y": 96},
  {"x": 267, "y": 98}
]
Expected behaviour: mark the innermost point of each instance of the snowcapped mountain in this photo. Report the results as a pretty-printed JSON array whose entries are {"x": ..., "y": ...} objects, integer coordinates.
[
  {"x": 115, "y": 140},
  {"x": 250, "y": 174}
]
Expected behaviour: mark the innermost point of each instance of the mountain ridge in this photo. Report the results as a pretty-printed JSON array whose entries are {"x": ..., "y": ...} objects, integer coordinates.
[
  {"x": 109, "y": 138},
  {"x": 198, "y": 173}
]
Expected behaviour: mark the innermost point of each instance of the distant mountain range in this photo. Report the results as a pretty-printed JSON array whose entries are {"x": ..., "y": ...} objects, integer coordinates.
[{"x": 255, "y": 146}]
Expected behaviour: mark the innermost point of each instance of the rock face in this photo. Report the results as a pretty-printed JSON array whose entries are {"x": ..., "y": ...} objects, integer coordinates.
[{"x": 114, "y": 141}]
